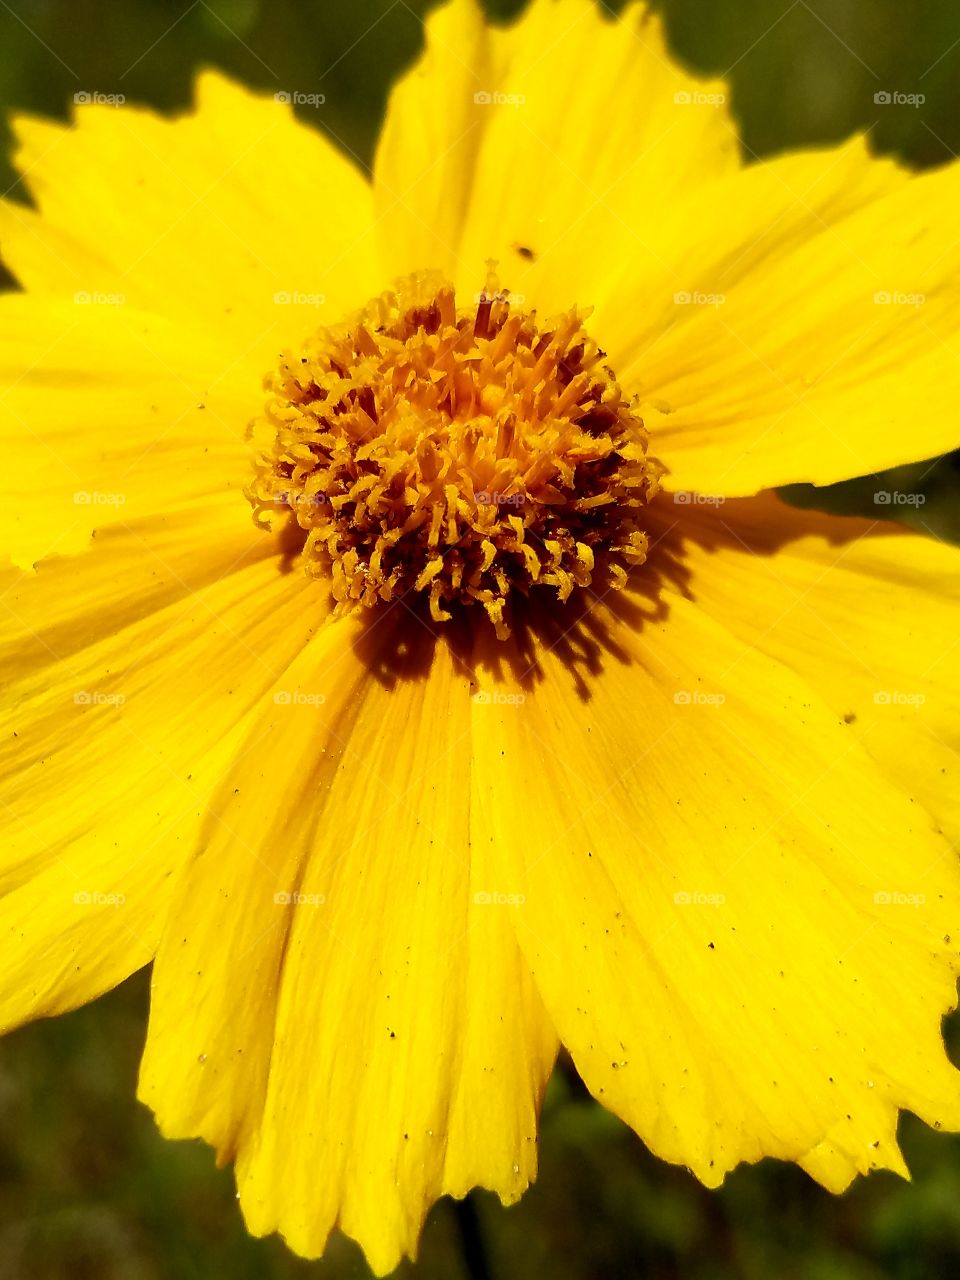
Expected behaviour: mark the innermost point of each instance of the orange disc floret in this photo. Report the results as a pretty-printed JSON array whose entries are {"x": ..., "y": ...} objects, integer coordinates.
[{"x": 462, "y": 453}]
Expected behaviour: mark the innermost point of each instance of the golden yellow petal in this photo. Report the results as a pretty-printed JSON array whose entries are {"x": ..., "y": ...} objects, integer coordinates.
[
  {"x": 128, "y": 674},
  {"x": 806, "y": 330},
  {"x": 554, "y": 145},
  {"x": 741, "y": 931},
  {"x": 867, "y": 612},
  {"x": 236, "y": 215},
  {"x": 339, "y": 1000},
  {"x": 111, "y": 416}
]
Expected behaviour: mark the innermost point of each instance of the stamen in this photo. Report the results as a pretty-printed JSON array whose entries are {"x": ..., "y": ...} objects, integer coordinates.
[{"x": 460, "y": 453}]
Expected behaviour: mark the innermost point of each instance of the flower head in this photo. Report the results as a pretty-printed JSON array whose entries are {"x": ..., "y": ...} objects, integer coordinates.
[{"x": 469, "y": 692}]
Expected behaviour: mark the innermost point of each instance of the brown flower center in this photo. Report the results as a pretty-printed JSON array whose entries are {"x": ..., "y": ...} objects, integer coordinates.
[{"x": 462, "y": 453}]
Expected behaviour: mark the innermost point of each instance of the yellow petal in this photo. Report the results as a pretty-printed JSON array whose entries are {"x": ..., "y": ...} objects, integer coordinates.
[
  {"x": 426, "y": 155},
  {"x": 337, "y": 1002},
  {"x": 807, "y": 330},
  {"x": 740, "y": 929},
  {"x": 127, "y": 675},
  {"x": 867, "y": 612},
  {"x": 109, "y": 416},
  {"x": 236, "y": 215},
  {"x": 553, "y": 146}
]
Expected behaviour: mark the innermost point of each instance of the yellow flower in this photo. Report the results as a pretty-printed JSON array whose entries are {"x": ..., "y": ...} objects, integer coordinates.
[{"x": 487, "y": 699}]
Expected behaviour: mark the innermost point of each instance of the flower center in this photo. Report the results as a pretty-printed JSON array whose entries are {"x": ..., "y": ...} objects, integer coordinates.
[{"x": 462, "y": 453}]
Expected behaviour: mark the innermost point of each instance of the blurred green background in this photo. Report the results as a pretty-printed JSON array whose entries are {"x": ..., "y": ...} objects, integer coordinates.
[{"x": 87, "y": 1188}]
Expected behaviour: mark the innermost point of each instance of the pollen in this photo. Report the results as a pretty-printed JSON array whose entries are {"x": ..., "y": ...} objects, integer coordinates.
[{"x": 459, "y": 453}]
